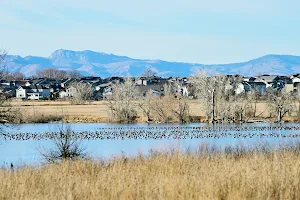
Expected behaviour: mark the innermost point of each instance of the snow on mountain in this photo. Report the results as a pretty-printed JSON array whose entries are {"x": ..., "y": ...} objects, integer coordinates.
[{"x": 105, "y": 65}]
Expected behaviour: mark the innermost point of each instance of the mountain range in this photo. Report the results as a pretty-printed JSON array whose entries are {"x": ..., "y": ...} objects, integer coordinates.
[{"x": 106, "y": 65}]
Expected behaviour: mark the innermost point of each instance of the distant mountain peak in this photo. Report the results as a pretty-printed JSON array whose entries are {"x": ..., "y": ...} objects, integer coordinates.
[{"x": 102, "y": 64}]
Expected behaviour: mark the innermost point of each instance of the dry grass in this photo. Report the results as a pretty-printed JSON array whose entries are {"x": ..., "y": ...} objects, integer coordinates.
[
  {"x": 98, "y": 110},
  {"x": 171, "y": 175}
]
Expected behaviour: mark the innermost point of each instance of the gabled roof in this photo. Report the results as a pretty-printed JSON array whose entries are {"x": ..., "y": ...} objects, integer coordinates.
[
  {"x": 32, "y": 87},
  {"x": 268, "y": 78},
  {"x": 146, "y": 88},
  {"x": 22, "y": 82}
]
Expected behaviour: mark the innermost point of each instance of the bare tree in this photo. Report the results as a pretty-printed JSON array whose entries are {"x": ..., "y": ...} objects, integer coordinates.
[
  {"x": 8, "y": 114},
  {"x": 182, "y": 110},
  {"x": 52, "y": 73},
  {"x": 16, "y": 76},
  {"x": 209, "y": 90},
  {"x": 148, "y": 73},
  {"x": 82, "y": 93},
  {"x": 122, "y": 104},
  {"x": 255, "y": 98},
  {"x": 281, "y": 103},
  {"x": 181, "y": 107},
  {"x": 145, "y": 103},
  {"x": 163, "y": 106},
  {"x": 2, "y": 66},
  {"x": 234, "y": 108},
  {"x": 74, "y": 74},
  {"x": 66, "y": 146}
]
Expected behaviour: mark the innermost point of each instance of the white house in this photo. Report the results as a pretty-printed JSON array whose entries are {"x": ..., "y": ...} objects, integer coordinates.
[
  {"x": 63, "y": 94},
  {"x": 141, "y": 81},
  {"x": 107, "y": 93},
  {"x": 71, "y": 91},
  {"x": 296, "y": 84},
  {"x": 240, "y": 88},
  {"x": 34, "y": 92}
]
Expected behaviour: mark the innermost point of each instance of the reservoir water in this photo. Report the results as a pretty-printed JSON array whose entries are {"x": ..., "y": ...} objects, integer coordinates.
[{"x": 23, "y": 148}]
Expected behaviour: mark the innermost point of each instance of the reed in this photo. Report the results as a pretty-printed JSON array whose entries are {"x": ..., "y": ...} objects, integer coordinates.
[{"x": 236, "y": 173}]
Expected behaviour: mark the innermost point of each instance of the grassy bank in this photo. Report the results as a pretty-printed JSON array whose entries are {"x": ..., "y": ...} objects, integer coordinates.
[
  {"x": 97, "y": 111},
  {"x": 236, "y": 174}
]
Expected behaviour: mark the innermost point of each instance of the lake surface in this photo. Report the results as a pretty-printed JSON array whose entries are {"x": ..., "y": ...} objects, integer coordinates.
[{"x": 30, "y": 139}]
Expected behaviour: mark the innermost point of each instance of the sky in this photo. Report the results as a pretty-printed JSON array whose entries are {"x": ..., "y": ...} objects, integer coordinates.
[{"x": 197, "y": 31}]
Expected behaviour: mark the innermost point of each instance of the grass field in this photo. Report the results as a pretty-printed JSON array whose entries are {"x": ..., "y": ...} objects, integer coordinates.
[
  {"x": 170, "y": 175},
  {"x": 95, "y": 111}
]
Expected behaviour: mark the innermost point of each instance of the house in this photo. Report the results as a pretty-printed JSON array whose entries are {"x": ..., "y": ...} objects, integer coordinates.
[
  {"x": 182, "y": 90},
  {"x": 256, "y": 84},
  {"x": 62, "y": 94},
  {"x": 239, "y": 89},
  {"x": 285, "y": 83},
  {"x": 107, "y": 93},
  {"x": 33, "y": 92},
  {"x": 20, "y": 83},
  {"x": 155, "y": 90},
  {"x": 71, "y": 91},
  {"x": 67, "y": 82},
  {"x": 114, "y": 79},
  {"x": 141, "y": 81},
  {"x": 296, "y": 83},
  {"x": 90, "y": 79},
  {"x": 102, "y": 86}
]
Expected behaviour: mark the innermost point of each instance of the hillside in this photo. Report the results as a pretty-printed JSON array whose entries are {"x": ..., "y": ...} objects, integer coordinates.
[{"x": 105, "y": 65}]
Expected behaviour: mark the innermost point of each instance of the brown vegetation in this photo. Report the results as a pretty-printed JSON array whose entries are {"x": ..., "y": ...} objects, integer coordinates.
[
  {"x": 233, "y": 175},
  {"x": 97, "y": 111}
]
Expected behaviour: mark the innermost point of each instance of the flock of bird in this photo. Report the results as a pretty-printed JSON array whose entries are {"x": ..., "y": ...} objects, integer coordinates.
[{"x": 158, "y": 132}]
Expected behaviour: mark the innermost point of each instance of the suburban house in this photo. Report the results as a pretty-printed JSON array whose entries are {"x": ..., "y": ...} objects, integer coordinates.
[
  {"x": 107, "y": 93},
  {"x": 182, "y": 90},
  {"x": 141, "y": 81},
  {"x": 66, "y": 82},
  {"x": 256, "y": 84},
  {"x": 102, "y": 86},
  {"x": 71, "y": 91},
  {"x": 296, "y": 83},
  {"x": 285, "y": 83},
  {"x": 240, "y": 88},
  {"x": 155, "y": 90},
  {"x": 62, "y": 94},
  {"x": 33, "y": 92},
  {"x": 20, "y": 83}
]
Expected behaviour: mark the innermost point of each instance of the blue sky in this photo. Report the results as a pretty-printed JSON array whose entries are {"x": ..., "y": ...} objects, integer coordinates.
[{"x": 214, "y": 31}]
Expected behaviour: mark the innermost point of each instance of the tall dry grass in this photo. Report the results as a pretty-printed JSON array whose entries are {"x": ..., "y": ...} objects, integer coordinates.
[{"x": 171, "y": 175}]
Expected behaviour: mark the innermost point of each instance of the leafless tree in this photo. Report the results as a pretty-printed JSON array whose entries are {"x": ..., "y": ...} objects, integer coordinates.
[
  {"x": 2, "y": 65},
  {"x": 179, "y": 99},
  {"x": 51, "y": 73},
  {"x": 148, "y": 73},
  {"x": 67, "y": 146},
  {"x": 210, "y": 90},
  {"x": 234, "y": 108},
  {"x": 181, "y": 110},
  {"x": 255, "y": 98},
  {"x": 74, "y": 74},
  {"x": 145, "y": 103},
  {"x": 8, "y": 114},
  {"x": 163, "y": 106},
  {"x": 122, "y": 104},
  {"x": 82, "y": 93},
  {"x": 280, "y": 103},
  {"x": 16, "y": 76}
]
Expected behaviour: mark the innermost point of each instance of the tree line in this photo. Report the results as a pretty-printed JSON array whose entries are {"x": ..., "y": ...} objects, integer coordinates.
[
  {"x": 219, "y": 102},
  {"x": 49, "y": 73}
]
